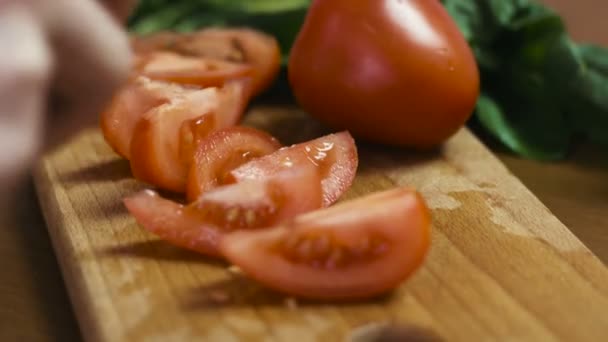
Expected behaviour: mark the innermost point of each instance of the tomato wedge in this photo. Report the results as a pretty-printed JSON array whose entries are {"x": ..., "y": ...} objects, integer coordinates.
[
  {"x": 157, "y": 146},
  {"x": 238, "y": 45},
  {"x": 201, "y": 71},
  {"x": 130, "y": 103},
  {"x": 200, "y": 225},
  {"x": 223, "y": 151},
  {"x": 353, "y": 250},
  {"x": 335, "y": 155}
]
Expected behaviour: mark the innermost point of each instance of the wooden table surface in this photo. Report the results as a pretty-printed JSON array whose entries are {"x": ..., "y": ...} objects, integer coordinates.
[{"x": 34, "y": 305}]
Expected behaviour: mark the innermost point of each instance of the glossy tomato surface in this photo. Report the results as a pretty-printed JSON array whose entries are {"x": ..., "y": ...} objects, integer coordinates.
[
  {"x": 353, "y": 250},
  {"x": 200, "y": 225},
  {"x": 221, "y": 152},
  {"x": 390, "y": 71},
  {"x": 334, "y": 156}
]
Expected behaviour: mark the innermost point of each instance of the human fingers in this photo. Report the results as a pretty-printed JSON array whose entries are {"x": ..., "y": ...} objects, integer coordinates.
[
  {"x": 24, "y": 78},
  {"x": 120, "y": 9},
  {"x": 92, "y": 59}
]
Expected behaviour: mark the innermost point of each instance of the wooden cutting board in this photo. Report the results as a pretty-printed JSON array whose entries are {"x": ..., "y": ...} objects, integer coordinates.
[{"x": 501, "y": 267}]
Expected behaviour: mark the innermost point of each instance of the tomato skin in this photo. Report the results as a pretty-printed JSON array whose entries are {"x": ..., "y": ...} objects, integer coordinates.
[
  {"x": 404, "y": 76},
  {"x": 381, "y": 240},
  {"x": 200, "y": 225},
  {"x": 223, "y": 151},
  {"x": 167, "y": 220},
  {"x": 334, "y": 155}
]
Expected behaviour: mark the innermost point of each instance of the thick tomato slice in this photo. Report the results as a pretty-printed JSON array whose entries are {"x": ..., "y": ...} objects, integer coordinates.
[
  {"x": 238, "y": 45},
  {"x": 130, "y": 103},
  {"x": 201, "y": 71},
  {"x": 200, "y": 225},
  {"x": 353, "y": 250},
  {"x": 164, "y": 134},
  {"x": 335, "y": 156},
  {"x": 233, "y": 101},
  {"x": 223, "y": 151}
]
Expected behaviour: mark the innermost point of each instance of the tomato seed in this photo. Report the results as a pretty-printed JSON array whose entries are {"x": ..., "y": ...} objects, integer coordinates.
[
  {"x": 321, "y": 247},
  {"x": 322, "y": 251},
  {"x": 250, "y": 218},
  {"x": 232, "y": 215},
  {"x": 304, "y": 249}
]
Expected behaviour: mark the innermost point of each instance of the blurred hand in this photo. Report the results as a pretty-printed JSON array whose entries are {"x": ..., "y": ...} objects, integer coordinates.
[{"x": 60, "y": 64}]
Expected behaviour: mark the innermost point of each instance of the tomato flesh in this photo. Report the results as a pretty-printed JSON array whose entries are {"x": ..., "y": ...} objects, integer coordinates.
[
  {"x": 200, "y": 225},
  {"x": 200, "y": 71},
  {"x": 249, "y": 46},
  {"x": 155, "y": 146},
  {"x": 353, "y": 250},
  {"x": 221, "y": 152},
  {"x": 129, "y": 104},
  {"x": 334, "y": 155},
  {"x": 238, "y": 45}
]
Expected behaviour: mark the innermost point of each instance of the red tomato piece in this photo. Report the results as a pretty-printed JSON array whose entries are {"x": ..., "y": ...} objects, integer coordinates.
[
  {"x": 201, "y": 71},
  {"x": 353, "y": 250},
  {"x": 153, "y": 42},
  {"x": 164, "y": 134},
  {"x": 249, "y": 46},
  {"x": 335, "y": 156},
  {"x": 128, "y": 106},
  {"x": 233, "y": 101},
  {"x": 238, "y": 45},
  {"x": 223, "y": 151},
  {"x": 200, "y": 225},
  {"x": 192, "y": 133},
  {"x": 408, "y": 77}
]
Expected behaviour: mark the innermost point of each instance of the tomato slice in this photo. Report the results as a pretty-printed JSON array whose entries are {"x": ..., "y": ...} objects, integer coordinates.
[
  {"x": 353, "y": 250},
  {"x": 243, "y": 45},
  {"x": 192, "y": 133},
  {"x": 153, "y": 42},
  {"x": 238, "y": 45},
  {"x": 201, "y": 71},
  {"x": 200, "y": 225},
  {"x": 335, "y": 155},
  {"x": 126, "y": 108},
  {"x": 164, "y": 134},
  {"x": 222, "y": 152},
  {"x": 233, "y": 100}
]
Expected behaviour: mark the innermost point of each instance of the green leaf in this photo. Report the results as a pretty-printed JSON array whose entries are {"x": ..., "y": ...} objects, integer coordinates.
[
  {"x": 164, "y": 18},
  {"x": 536, "y": 130},
  {"x": 503, "y": 11},
  {"x": 588, "y": 100},
  {"x": 476, "y": 27},
  {"x": 595, "y": 57},
  {"x": 468, "y": 16},
  {"x": 257, "y": 6}
]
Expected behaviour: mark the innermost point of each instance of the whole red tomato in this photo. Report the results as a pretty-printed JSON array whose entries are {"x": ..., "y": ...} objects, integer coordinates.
[{"x": 391, "y": 71}]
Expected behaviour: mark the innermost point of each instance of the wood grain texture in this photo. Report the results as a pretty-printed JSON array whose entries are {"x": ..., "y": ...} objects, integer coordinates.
[{"x": 501, "y": 267}]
